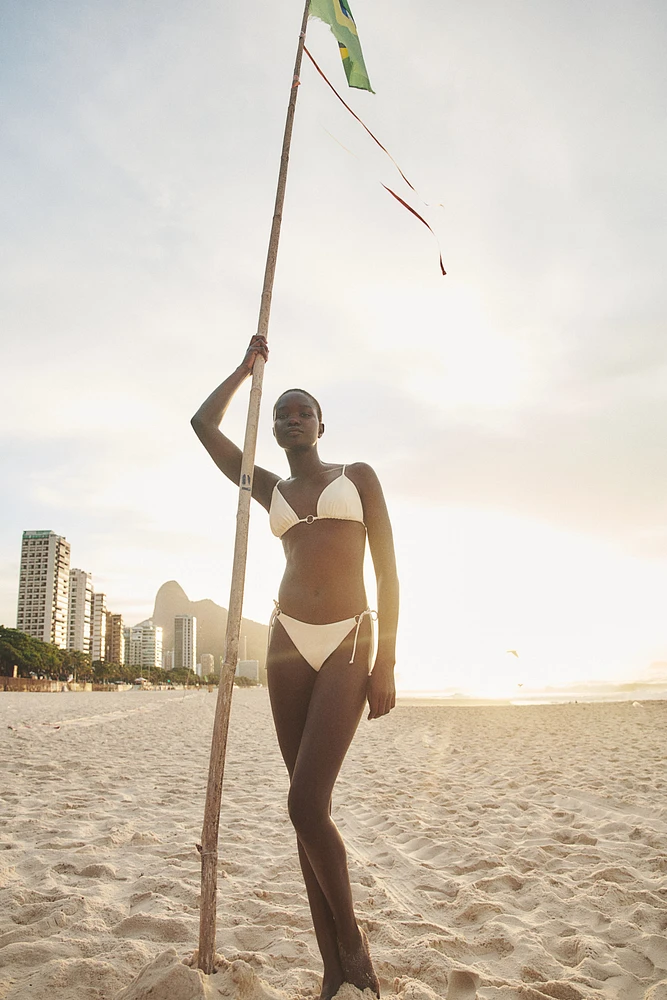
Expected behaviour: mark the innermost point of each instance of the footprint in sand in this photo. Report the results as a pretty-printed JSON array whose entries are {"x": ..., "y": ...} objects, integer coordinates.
[
  {"x": 657, "y": 992},
  {"x": 462, "y": 985}
]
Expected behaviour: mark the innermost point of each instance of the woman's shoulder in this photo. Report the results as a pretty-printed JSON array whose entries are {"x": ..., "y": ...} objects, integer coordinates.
[
  {"x": 363, "y": 468},
  {"x": 361, "y": 473},
  {"x": 368, "y": 486}
]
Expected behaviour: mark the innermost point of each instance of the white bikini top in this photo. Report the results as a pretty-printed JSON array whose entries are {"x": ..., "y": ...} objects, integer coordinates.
[{"x": 339, "y": 500}]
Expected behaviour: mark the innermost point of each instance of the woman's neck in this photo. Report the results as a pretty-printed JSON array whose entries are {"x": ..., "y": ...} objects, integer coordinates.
[{"x": 304, "y": 463}]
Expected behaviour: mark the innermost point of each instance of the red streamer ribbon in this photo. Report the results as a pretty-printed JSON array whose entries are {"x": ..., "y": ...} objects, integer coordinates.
[
  {"x": 384, "y": 150},
  {"x": 421, "y": 219}
]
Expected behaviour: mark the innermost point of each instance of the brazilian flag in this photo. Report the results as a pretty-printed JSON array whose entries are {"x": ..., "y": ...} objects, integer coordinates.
[{"x": 337, "y": 14}]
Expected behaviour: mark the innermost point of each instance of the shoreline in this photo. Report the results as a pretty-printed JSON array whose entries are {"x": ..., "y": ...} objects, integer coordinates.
[{"x": 638, "y": 694}]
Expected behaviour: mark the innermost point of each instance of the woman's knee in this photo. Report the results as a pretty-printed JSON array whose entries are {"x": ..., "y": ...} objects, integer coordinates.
[{"x": 307, "y": 813}]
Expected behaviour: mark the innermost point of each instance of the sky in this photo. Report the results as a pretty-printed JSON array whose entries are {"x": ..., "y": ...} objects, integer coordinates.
[{"x": 514, "y": 410}]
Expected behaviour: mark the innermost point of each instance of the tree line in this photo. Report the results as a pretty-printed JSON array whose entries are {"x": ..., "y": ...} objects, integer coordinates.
[{"x": 33, "y": 657}]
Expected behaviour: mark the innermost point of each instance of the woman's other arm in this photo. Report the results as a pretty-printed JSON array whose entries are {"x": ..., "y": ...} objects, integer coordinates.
[
  {"x": 206, "y": 423},
  {"x": 381, "y": 687}
]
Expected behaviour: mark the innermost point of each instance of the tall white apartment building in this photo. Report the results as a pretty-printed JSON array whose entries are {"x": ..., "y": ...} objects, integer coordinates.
[
  {"x": 79, "y": 610},
  {"x": 143, "y": 645},
  {"x": 44, "y": 587},
  {"x": 185, "y": 642},
  {"x": 98, "y": 632}
]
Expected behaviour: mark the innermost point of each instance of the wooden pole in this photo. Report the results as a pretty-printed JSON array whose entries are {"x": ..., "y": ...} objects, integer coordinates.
[{"x": 209, "y": 839}]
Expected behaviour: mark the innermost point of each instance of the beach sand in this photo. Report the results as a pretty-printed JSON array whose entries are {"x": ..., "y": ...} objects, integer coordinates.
[{"x": 497, "y": 852}]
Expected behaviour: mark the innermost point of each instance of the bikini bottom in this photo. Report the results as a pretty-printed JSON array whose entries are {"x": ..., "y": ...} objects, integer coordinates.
[{"x": 316, "y": 643}]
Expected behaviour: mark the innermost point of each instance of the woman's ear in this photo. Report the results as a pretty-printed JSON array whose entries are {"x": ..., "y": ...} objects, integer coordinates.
[{"x": 321, "y": 431}]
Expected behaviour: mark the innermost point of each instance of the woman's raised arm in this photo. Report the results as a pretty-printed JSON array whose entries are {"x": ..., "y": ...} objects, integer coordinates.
[{"x": 206, "y": 423}]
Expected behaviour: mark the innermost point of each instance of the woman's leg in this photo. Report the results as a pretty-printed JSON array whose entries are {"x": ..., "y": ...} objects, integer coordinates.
[
  {"x": 291, "y": 681},
  {"x": 336, "y": 704}
]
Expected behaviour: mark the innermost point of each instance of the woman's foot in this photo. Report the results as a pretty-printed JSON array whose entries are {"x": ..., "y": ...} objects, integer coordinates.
[
  {"x": 330, "y": 987},
  {"x": 358, "y": 967},
  {"x": 332, "y": 982}
]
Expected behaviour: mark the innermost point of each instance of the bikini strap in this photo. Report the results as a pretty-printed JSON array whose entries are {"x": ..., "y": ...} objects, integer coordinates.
[
  {"x": 272, "y": 621},
  {"x": 274, "y": 614}
]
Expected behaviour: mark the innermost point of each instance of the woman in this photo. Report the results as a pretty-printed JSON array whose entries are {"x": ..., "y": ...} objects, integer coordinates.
[{"x": 321, "y": 641}]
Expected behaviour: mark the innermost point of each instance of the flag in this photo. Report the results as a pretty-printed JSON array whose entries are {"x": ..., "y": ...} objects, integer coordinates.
[{"x": 337, "y": 14}]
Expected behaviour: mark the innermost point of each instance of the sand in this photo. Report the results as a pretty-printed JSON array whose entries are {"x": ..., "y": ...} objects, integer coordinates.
[{"x": 500, "y": 852}]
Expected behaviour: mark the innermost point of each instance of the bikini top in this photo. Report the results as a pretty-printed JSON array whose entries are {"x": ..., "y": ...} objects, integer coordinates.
[{"x": 339, "y": 500}]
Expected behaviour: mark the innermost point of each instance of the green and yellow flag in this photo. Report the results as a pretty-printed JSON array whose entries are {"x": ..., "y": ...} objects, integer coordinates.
[{"x": 337, "y": 14}]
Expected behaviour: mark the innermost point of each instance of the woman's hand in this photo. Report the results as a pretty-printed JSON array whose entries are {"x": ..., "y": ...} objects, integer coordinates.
[
  {"x": 381, "y": 691},
  {"x": 206, "y": 424},
  {"x": 258, "y": 346}
]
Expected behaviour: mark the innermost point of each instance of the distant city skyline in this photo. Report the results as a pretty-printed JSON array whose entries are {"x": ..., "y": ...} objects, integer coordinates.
[
  {"x": 58, "y": 603},
  {"x": 47, "y": 585}
]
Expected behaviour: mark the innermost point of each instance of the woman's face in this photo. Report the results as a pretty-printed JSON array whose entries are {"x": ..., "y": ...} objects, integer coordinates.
[{"x": 295, "y": 421}]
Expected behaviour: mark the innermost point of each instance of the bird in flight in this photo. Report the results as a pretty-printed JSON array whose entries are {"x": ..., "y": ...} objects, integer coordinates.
[{"x": 513, "y": 652}]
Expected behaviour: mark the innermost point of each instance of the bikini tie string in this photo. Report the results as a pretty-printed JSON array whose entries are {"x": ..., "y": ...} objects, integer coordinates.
[
  {"x": 272, "y": 622},
  {"x": 359, "y": 619}
]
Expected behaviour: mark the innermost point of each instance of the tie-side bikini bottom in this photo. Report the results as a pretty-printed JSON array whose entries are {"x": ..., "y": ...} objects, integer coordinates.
[{"x": 316, "y": 643}]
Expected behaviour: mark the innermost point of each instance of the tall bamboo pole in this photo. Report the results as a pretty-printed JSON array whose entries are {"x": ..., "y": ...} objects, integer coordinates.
[{"x": 209, "y": 838}]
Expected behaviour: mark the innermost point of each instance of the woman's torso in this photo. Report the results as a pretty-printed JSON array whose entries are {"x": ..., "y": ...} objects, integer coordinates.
[{"x": 323, "y": 579}]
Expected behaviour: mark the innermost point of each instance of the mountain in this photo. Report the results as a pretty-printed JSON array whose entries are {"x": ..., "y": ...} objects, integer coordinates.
[{"x": 171, "y": 600}]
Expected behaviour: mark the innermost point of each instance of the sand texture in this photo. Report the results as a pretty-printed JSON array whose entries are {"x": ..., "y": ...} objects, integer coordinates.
[{"x": 513, "y": 853}]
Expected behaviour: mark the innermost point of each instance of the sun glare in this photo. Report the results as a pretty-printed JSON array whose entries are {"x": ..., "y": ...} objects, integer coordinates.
[{"x": 477, "y": 584}]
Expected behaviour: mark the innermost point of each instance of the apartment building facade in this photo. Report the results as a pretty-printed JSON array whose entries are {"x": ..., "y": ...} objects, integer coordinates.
[
  {"x": 143, "y": 645},
  {"x": 185, "y": 642},
  {"x": 44, "y": 587},
  {"x": 79, "y": 606},
  {"x": 115, "y": 639}
]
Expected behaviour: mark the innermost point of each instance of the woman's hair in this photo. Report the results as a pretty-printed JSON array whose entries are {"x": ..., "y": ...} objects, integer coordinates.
[{"x": 304, "y": 392}]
